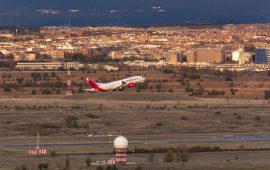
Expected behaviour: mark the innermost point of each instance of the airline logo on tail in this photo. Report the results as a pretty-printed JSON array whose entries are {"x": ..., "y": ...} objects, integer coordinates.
[{"x": 94, "y": 85}]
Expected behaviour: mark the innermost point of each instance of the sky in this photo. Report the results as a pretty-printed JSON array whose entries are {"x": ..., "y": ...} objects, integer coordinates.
[{"x": 130, "y": 12}]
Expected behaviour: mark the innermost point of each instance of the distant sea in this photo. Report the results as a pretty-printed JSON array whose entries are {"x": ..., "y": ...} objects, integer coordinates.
[{"x": 131, "y": 12}]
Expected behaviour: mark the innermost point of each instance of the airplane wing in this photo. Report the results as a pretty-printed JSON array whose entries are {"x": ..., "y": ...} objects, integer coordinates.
[
  {"x": 121, "y": 86},
  {"x": 89, "y": 89}
]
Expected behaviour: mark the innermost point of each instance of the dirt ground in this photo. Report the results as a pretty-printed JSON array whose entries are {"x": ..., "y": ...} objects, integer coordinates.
[
  {"x": 202, "y": 161},
  {"x": 143, "y": 117},
  {"x": 246, "y": 86}
]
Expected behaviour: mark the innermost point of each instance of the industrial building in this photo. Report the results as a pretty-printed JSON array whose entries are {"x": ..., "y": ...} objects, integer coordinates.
[
  {"x": 262, "y": 56},
  {"x": 206, "y": 55},
  {"x": 242, "y": 57},
  {"x": 173, "y": 57},
  {"x": 55, "y": 53},
  {"x": 46, "y": 65}
]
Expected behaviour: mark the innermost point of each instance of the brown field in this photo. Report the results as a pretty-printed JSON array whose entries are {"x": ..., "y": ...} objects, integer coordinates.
[{"x": 247, "y": 86}]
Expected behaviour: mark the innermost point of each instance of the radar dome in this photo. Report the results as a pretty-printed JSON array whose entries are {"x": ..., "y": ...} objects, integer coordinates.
[{"x": 120, "y": 142}]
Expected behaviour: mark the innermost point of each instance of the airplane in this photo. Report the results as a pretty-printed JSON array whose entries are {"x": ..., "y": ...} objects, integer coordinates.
[{"x": 115, "y": 85}]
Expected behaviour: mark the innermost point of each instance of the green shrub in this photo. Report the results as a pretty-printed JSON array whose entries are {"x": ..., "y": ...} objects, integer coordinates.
[
  {"x": 182, "y": 154},
  {"x": 188, "y": 89},
  {"x": 71, "y": 122},
  {"x": 267, "y": 95},
  {"x": 46, "y": 91},
  {"x": 167, "y": 71},
  {"x": 43, "y": 166},
  {"x": 88, "y": 161},
  {"x": 159, "y": 124},
  {"x": 34, "y": 92},
  {"x": 19, "y": 80},
  {"x": 257, "y": 118},
  {"x": 7, "y": 88},
  {"x": 169, "y": 156},
  {"x": 216, "y": 93},
  {"x": 184, "y": 118},
  {"x": 218, "y": 113}
]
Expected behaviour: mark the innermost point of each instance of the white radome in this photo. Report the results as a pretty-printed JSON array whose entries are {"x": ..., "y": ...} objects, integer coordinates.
[{"x": 120, "y": 142}]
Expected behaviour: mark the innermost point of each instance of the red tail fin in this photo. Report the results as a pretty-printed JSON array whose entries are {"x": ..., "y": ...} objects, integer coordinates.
[{"x": 94, "y": 85}]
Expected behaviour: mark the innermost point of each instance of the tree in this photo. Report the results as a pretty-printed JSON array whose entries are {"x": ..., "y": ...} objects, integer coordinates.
[
  {"x": 167, "y": 71},
  {"x": 141, "y": 86},
  {"x": 7, "y": 88},
  {"x": 80, "y": 90},
  {"x": 114, "y": 167},
  {"x": 151, "y": 157},
  {"x": 169, "y": 156},
  {"x": 71, "y": 121},
  {"x": 257, "y": 118},
  {"x": 46, "y": 91},
  {"x": 67, "y": 163},
  {"x": 267, "y": 95},
  {"x": 99, "y": 168},
  {"x": 23, "y": 167},
  {"x": 109, "y": 167},
  {"x": 182, "y": 154},
  {"x": 158, "y": 87},
  {"x": 43, "y": 166},
  {"x": 61, "y": 69},
  {"x": 19, "y": 80},
  {"x": 88, "y": 161},
  {"x": 34, "y": 92}
]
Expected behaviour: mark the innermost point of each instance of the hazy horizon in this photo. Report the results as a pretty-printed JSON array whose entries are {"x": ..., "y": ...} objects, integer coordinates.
[{"x": 130, "y": 13}]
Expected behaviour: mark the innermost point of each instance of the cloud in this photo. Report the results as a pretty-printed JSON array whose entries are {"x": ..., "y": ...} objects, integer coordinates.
[
  {"x": 161, "y": 10},
  {"x": 113, "y": 11},
  {"x": 74, "y": 11},
  {"x": 48, "y": 11},
  {"x": 156, "y": 7}
]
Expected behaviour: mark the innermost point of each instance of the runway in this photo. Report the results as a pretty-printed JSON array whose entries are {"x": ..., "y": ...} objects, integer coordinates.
[{"x": 150, "y": 140}]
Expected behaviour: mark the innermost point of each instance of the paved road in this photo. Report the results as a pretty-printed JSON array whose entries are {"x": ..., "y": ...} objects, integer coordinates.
[{"x": 211, "y": 138}]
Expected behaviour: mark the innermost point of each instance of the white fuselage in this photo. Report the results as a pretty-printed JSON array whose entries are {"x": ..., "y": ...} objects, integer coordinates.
[
  {"x": 119, "y": 84},
  {"x": 122, "y": 83}
]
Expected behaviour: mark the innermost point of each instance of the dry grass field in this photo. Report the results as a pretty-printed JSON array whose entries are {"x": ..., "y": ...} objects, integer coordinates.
[
  {"x": 146, "y": 113},
  {"x": 145, "y": 117}
]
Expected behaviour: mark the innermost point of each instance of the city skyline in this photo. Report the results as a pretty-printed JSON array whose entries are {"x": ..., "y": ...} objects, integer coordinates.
[{"x": 129, "y": 13}]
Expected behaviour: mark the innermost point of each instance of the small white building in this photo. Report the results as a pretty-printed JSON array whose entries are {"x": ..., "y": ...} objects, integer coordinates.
[{"x": 236, "y": 54}]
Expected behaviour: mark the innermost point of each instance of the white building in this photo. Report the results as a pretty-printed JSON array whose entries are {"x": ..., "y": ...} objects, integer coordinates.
[
  {"x": 46, "y": 65},
  {"x": 236, "y": 54}
]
